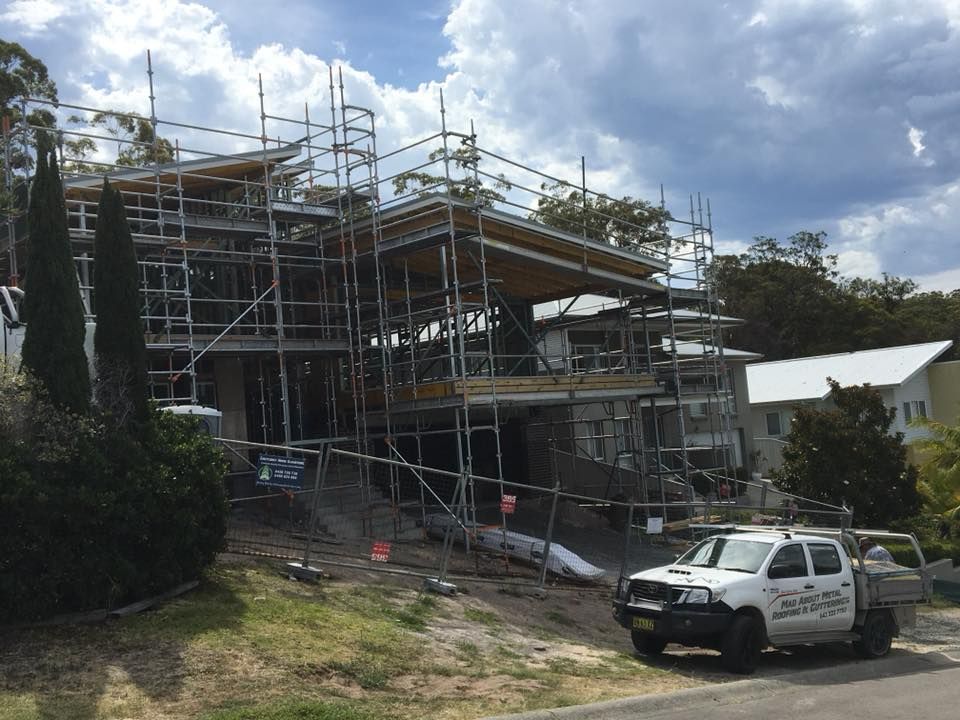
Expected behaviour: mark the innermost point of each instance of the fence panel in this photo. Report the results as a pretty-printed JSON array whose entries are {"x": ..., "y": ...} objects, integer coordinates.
[{"x": 384, "y": 513}]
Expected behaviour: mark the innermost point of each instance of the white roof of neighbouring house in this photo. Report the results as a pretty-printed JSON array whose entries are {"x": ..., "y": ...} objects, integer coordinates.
[
  {"x": 684, "y": 316},
  {"x": 783, "y": 381},
  {"x": 690, "y": 348}
]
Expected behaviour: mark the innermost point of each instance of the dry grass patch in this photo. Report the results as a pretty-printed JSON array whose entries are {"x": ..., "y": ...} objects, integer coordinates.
[{"x": 251, "y": 645}]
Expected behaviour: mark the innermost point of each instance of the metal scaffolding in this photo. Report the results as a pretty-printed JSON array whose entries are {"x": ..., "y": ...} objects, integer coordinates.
[{"x": 433, "y": 313}]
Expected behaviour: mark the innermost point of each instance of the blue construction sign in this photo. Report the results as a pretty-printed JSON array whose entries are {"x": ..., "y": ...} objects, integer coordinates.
[{"x": 280, "y": 471}]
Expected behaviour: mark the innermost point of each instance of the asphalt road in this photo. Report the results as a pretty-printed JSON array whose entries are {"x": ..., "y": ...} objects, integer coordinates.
[
  {"x": 930, "y": 694},
  {"x": 908, "y": 686}
]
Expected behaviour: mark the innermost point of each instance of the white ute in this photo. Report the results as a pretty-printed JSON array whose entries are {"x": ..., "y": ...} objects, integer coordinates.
[{"x": 741, "y": 592}]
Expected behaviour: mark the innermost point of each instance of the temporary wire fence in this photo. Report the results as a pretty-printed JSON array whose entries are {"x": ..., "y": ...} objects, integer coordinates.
[{"x": 389, "y": 514}]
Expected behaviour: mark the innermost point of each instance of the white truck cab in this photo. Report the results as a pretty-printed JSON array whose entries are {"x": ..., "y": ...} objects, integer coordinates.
[{"x": 742, "y": 591}]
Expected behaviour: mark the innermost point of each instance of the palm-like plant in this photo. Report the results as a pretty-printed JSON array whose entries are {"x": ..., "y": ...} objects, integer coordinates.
[{"x": 939, "y": 483}]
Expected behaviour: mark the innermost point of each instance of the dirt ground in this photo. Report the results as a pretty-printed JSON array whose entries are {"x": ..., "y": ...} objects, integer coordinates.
[
  {"x": 368, "y": 645},
  {"x": 579, "y": 626}
]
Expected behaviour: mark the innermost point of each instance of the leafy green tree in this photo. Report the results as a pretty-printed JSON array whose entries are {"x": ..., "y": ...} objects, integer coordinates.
[
  {"x": 21, "y": 75},
  {"x": 940, "y": 472},
  {"x": 134, "y": 136},
  {"x": 53, "y": 343},
  {"x": 76, "y": 157},
  {"x": 788, "y": 296},
  {"x": 120, "y": 353},
  {"x": 627, "y": 222},
  {"x": 847, "y": 455},
  {"x": 465, "y": 187},
  {"x": 890, "y": 293},
  {"x": 795, "y": 304},
  {"x": 925, "y": 317}
]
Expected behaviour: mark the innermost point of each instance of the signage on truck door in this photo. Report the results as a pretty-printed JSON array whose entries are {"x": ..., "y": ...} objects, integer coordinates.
[
  {"x": 790, "y": 591},
  {"x": 833, "y": 607}
]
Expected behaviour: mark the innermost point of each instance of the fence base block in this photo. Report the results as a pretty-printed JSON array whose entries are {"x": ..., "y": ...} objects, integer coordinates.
[
  {"x": 437, "y": 586},
  {"x": 301, "y": 572}
]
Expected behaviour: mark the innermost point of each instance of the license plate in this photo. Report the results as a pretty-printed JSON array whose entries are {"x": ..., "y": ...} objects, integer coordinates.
[{"x": 642, "y": 623}]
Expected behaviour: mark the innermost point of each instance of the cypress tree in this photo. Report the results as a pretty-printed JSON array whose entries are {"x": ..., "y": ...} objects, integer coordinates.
[
  {"x": 53, "y": 343},
  {"x": 119, "y": 349}
]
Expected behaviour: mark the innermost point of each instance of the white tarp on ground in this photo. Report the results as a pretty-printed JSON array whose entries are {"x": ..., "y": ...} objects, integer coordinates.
[{"x": 521, "y": 547}]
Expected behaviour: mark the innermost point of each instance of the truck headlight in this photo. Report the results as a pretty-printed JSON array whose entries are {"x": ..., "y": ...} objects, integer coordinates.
[{"x": 698, "y": 596}]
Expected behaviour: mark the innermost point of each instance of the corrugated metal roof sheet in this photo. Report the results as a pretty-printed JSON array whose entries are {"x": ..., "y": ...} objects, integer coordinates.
[
  {"x": 784, "y": 381},
  {"x": 689, "y": 348}
]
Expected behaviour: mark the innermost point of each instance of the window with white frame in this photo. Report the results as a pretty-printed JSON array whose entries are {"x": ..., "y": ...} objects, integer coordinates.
[
  {"x": 595, "y": 441},
  {"x": 913, "y": 409},
  {"x": 774, "y": 425},
  {"x": 699, "y": 409}
]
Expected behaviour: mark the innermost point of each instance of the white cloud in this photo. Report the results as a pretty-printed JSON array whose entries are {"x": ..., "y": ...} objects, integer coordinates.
[
  {"x": 909, "y": 237},
  {"x": 915, "y": 137},
  {"x": 944, "y": 281},
  {"x": 34, "y": 16},
  {"x": 779, "y": 111},
  {"x": 774, "y": 91},
  {"x": 858, "y": 263}
]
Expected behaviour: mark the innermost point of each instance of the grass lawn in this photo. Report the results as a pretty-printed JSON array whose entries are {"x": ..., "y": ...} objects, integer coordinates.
[{"x": 250, "y": 645}]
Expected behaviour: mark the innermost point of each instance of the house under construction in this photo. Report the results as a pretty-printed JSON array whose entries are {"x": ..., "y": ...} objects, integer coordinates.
[{"x": 292, "y": 286}]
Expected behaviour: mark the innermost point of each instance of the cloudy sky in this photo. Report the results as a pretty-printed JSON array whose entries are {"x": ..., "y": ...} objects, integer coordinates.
[{"x": 835, "y": 115}]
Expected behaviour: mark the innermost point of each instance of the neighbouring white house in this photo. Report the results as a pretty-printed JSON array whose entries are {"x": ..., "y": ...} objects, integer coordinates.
[
  {"x": 901, "y": 374},
  {"x": 702, "y": 421}
]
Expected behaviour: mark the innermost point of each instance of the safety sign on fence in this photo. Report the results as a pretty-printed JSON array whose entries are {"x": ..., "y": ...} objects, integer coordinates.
[
  {"x": 281, "y": 472},
  {"x": 380, "y": 551},
  {"x": 508, "y": 503}
]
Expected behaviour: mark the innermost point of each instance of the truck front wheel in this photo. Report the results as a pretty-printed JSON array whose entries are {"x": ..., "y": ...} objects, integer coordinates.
[
  {"x": 876, "y": 635},
  {"x": 647, "y": 644},
  {"x": 742, "y": 643}
]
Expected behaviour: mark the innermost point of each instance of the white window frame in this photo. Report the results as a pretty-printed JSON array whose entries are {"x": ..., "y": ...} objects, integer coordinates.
[
  {"x": 914, "y": 408},
  {"x": 595, "y": 439}
]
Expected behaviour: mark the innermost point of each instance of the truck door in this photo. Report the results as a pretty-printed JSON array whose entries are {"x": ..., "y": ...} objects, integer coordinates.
[
  {"x": 789, "y": 587},
  {"x": 835, "y": 607}
]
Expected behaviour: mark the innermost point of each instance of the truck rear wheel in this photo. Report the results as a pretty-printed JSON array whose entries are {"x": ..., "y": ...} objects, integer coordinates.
[
  {"x": 876, "y": 636},
  {"x": 740, "y": 650},
  {"x": 647, "y": 644}
]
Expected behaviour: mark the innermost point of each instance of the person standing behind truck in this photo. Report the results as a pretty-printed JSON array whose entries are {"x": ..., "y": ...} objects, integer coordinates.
[{"x": 871, "y": 551}]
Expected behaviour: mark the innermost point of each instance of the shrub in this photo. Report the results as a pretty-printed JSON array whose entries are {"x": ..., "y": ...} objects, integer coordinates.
[
  {"x": 181, "y": 492},
  {"x": 92, "y": 517},
  {"x": 936, "y": 537}
]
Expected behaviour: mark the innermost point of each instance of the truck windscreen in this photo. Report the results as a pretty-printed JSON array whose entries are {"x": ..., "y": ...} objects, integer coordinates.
[{"x": 727, "y": 554}]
